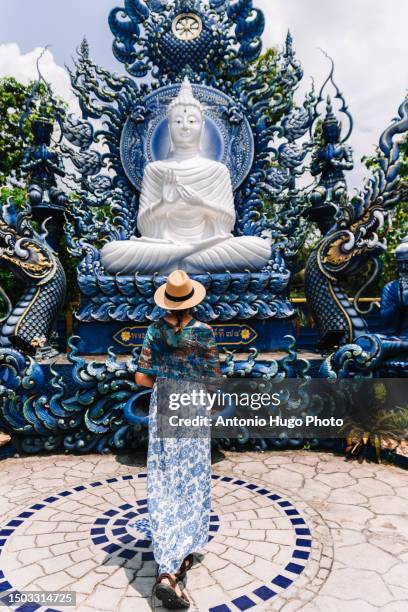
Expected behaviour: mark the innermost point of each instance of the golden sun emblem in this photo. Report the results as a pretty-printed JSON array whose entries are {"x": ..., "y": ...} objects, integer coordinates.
[
  {"x": 125, "y": 336},
  {"x": 187, "y": 26},
  {"x": 245, "y": 334}
]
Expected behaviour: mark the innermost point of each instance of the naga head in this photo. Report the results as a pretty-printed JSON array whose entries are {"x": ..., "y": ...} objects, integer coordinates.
[
  {"x": 29, "y": 322},
  {"x": 21, "y": 251},
  {"x": 355, "y": 242}
]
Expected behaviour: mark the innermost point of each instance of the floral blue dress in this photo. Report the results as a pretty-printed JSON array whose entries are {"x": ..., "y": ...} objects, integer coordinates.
[{"x": 178, "y": 470}]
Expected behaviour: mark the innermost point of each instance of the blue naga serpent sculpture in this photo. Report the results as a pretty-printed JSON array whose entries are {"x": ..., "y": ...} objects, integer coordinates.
[
  {"x": 28, "y": 324},
  {"x": 352, "y": 243}
]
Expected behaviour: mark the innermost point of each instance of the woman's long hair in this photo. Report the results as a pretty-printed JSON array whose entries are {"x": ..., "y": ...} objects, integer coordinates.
[{"x": 179, "y": 314}]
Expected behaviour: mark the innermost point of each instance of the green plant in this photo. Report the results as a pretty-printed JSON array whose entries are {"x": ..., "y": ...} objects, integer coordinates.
[
  {"x": 386, "y": 424},
  {"x": 13, "y": 98}
]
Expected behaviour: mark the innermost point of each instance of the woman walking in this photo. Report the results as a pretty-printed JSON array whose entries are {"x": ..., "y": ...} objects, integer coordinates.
[{"x": 178, "y": 470}]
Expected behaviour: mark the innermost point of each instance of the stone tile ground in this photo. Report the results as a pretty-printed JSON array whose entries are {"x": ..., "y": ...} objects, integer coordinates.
[{"x": 290, "y": 530}]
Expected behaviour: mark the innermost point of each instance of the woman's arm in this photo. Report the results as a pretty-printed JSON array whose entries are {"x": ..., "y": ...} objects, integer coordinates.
[
  {"x": 144, "y": 380},
  {"x": 213, "y": 356},
  {"x": 146, "y": 374}
]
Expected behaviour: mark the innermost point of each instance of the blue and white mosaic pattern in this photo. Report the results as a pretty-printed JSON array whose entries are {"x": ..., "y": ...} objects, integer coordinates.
[
  {"x": 122, "y": 532},
  {"x": 119, "y": 531},
  {"x": 300, "y": 553}
]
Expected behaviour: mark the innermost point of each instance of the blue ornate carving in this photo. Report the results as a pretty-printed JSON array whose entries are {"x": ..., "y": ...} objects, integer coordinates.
[
  {"x": 263, "y": 135},
  {"x": 384, "y": 354},
  {"x": 42, "y": 163},
  {"x": 331, "y": 158},
  {"x": 352, "y": 244},
  {"x": 370, "y": 355},
  {"x": 150, "y": 37},
  {"x": 230, "y": 296},
  {"x": 394, "y": 300},
  {"x": 99, "y": 407},
  {"x": 123, "y": 101},
  {"x": 239, "y": 111}
]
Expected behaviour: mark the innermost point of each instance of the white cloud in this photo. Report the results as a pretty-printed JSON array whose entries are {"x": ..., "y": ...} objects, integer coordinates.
[{"x": 22, "y": 66}]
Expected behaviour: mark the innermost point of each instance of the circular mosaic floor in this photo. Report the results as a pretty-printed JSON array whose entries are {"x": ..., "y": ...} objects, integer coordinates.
[{"x": 94, "y": 539}]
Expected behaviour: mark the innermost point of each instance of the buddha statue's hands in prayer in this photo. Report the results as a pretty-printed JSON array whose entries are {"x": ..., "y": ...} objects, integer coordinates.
[
  {"x": 174, "y": 190},
  {"x": 194, "y": 199},
  {"x": 190, "y": 196},
  {"x": 170, "y": 187},
  {"x": 169, "y": 194}
]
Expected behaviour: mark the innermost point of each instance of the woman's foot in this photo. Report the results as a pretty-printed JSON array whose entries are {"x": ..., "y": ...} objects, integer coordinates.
[
  {"x": 185, "y": 567},
  {"x": 168, "y": 591}
]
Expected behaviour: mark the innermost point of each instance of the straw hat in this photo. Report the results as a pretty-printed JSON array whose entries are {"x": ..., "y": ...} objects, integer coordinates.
[{"x": 179, "y": 292}]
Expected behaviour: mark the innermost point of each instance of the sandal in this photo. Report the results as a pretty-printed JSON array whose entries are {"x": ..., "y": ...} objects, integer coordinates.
[
  {"x": 167, "y": 594},
  {"x": 185, "y": 567}
]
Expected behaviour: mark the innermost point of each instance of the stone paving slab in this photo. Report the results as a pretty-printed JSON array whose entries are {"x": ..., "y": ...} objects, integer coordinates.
[{"x": 290, "y": 530}]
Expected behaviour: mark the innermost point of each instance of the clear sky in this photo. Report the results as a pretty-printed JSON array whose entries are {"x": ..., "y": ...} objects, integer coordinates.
[{"x": 366, "y": 38}]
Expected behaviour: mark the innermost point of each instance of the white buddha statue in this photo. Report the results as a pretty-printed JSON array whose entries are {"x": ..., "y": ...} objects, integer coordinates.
[{"x": 186, "y": 213}]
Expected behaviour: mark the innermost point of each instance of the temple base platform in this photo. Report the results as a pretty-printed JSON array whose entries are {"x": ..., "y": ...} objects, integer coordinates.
[{"x": 264, "y": 336}]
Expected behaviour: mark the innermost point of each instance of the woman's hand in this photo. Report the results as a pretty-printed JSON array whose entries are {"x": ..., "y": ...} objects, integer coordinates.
[{"x": 144, "y": 380}]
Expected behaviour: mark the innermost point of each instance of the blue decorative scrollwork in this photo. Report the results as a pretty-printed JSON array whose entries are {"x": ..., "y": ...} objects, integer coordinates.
[
  {"x": 99, "y": 408},
  {"x": 257, "y": 129},
  {"x": 352, "y": 243}
]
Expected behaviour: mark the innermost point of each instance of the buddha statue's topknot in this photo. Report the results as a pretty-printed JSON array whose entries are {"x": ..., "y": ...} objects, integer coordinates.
[{"x": 186, "y": 97}]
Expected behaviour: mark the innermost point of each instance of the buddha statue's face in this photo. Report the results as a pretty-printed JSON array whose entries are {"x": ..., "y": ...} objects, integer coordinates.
[{"x": 186, "y": 126}]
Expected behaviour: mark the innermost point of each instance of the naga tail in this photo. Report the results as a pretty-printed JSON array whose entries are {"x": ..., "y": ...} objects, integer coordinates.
[{"x": 336, "y": 319}]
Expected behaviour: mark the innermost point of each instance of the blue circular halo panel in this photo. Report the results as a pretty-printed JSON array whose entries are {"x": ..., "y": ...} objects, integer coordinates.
[{"x": 227, "y": 136}]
